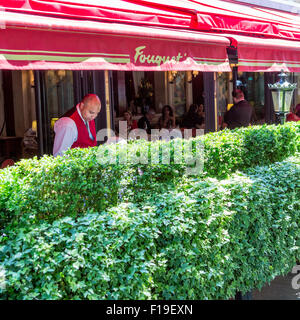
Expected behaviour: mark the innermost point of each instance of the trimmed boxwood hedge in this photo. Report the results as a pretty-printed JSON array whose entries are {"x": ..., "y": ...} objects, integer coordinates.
[
  {"x": 67, "y": 186},
  {"x": 72, "y": 228},
  {"x": 205, "y": 239}
]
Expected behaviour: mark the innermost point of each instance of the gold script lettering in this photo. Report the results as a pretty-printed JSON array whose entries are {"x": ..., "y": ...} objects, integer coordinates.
[{"x": 156, "y": 59}]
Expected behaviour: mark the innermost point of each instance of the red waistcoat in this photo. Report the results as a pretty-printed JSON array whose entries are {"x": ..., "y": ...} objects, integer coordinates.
[{"x": 83, "y": 139}]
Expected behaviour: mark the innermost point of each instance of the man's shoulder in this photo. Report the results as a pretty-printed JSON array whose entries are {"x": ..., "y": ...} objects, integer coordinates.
[
  {"x": 142, "y": 119},
  {"x": 244, "y": 103},
  {"x": 69, "y": 113},
  {"x": 65, "y": 122}
]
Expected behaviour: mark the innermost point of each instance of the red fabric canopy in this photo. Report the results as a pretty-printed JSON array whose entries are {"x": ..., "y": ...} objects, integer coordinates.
[
  {"x": 70, "y": 34},
  {"x": 210, "y": 15},
  {"x": 272, "y": 55},
  {"x": 51, "y": 43}
]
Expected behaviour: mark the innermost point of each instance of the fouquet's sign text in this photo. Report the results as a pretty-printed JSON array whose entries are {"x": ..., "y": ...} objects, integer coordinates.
[{"x": 143, "y": 56}]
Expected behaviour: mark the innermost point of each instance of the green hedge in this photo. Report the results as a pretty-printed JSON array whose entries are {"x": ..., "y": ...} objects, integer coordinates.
[
  {"x": 230, "y": 235},
  {"x": 203, "y": 239},
  {"x": 68, "y": 186}
]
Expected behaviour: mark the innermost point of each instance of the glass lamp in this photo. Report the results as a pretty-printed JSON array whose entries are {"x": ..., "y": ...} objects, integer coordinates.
[{"x": 282, "y": 94}]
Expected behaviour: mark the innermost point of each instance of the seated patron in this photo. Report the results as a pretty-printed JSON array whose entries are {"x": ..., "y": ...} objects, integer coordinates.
[
  {"x": 194, "y": 118},
  {"x": 201, "y": 111},
  {"x": 131, "y": 124},
  {"x": 145, "y": 121},
  {"x": 167, "y": 120}
]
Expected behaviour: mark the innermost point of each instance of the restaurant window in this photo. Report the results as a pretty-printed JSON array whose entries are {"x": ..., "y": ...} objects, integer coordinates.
[
  {"x": 60, "y": 93},
  {"x": 179, "y": 94},
  {"x": 197, "y": 87},
  {"x": 18, "y": 137},
  {"x": 137, "y": 90},
  {"x": 224, "y": 89},
  {"x": 59, "y": 97}
]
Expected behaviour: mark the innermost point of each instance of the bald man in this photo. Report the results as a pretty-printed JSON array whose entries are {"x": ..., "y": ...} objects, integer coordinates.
[{"x": 76, "y": 128}]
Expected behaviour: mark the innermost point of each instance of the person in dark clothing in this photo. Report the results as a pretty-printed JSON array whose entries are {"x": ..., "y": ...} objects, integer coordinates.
[
  {"x": 167, "y": 120},
  {"x": 145, "y": 121},
  {"x": 192, "y": 119},
  {"x": 241, "y": 113}
]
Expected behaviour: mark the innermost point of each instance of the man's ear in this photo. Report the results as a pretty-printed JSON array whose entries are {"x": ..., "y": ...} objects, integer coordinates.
[{"x": 81, "y": 104}]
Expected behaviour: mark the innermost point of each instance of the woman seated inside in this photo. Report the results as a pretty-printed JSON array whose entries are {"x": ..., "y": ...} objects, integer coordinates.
[
  {"x": 194, "y": 118},
  {"x": 131, "y": 124},
  {"x": 167, "y": 120},
  {"x": 201, "y": 112}
]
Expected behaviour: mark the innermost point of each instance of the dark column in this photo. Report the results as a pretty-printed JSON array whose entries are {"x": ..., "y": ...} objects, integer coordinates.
[
  {"x": 129, "y": 87},
  {"x": 120, "y": 91},
  {"x": 232, "y": 54},
  {"x": 149, "y": 75},
  {"x": 197, "y": 85},
  {"x": 8, "y": 103},
  {"x": 82, "y": 84},
  {"x": 78, "y": 95},
  {"x": 99, "y": 88},
  {"x": 269, "y": 108},
  {"x": 115, "y": 94},
  {"x": 111, "y": 100},
  {"x": 87, "y": 82},
  {"x": 209, "y": 101},
  {"x": 43, "y": 121},
  {"x": 38, "y": 108},
  {"x": 234, "y": 76}
]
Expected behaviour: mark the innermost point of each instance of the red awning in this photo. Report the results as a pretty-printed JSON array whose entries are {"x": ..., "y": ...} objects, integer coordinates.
[
  {"x": 206, "y": 15},
  {"x": 265, "y": 55},
  {"x": 121, "y": 11},
  {"x": 209, "y": 16},
  {"x": 142, "y": 34},
  {"x": 232, "y": 17},
  {"x": 37, "y": 42}
]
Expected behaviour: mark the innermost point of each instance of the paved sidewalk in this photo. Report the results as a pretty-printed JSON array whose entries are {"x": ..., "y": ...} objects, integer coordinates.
[{"x": 279, "y": 289}]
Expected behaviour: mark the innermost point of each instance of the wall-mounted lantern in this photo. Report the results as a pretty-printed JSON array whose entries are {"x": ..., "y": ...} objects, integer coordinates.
[{"x": 282, "y": 94}]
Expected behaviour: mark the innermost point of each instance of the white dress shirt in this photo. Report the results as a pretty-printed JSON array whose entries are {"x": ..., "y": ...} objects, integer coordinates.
[{"x": 66, "y": 134}]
